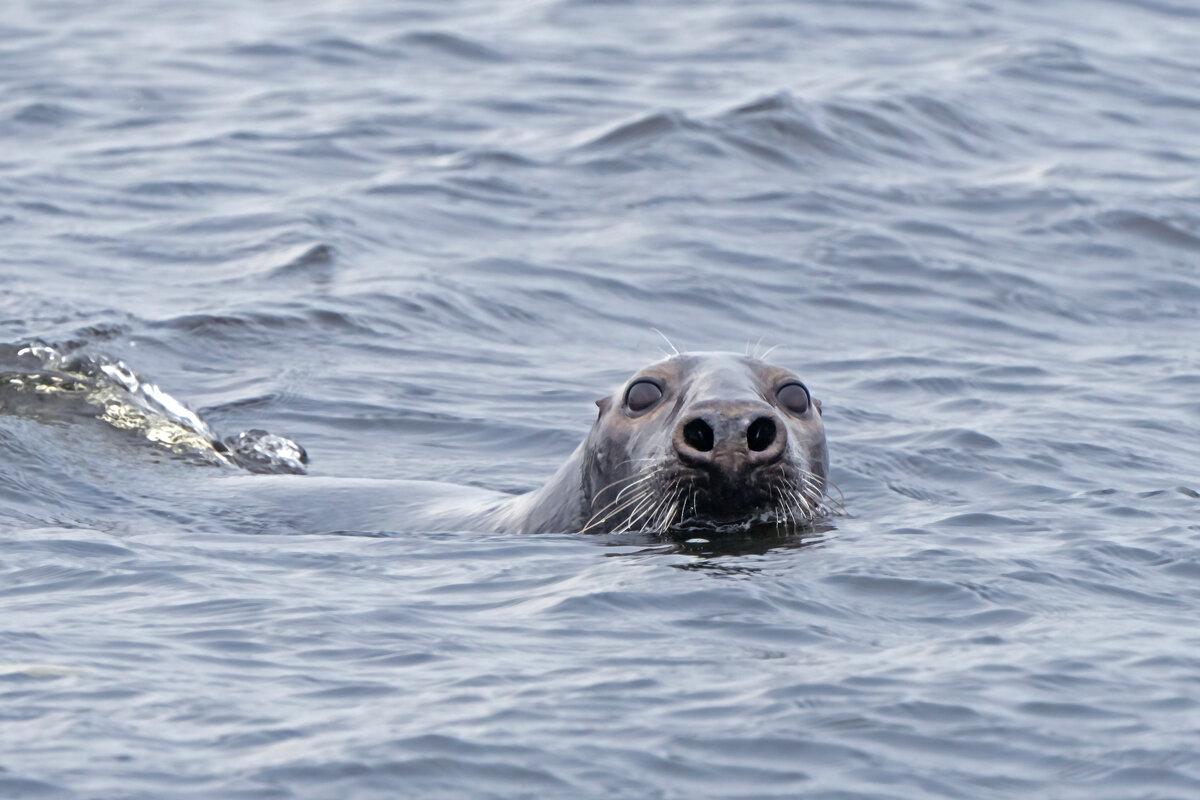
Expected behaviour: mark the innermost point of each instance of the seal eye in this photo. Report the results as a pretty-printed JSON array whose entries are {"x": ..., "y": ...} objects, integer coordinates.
[
  {"x": 793, "y": 397},
  {"x": 642, "y": 395}
]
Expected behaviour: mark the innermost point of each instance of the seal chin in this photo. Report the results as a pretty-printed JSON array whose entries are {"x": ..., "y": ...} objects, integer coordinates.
[
  {"x": 673, "y": 495},
  {"x": 715, "y": 500}
]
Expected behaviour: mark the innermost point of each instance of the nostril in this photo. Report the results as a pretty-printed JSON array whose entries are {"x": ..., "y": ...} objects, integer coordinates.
[
  {"x": 699, "y": 435},
  {"x": 760, "y": 434}
]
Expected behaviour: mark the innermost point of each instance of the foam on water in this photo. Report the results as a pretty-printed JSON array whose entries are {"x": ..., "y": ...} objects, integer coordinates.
[{"x": 127, "y": 402}]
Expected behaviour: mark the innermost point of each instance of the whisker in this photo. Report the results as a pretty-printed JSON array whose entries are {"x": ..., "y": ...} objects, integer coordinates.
[
  {"x": 670, "y": 344},
  {"x": 638, "y": 475},
  {"x": 768, "y": 352},
  {"x": 802, "y": 502},
  {"x": 619, "y": 503},
  {"x": 640, "y": 510},
  {"x": 792, "y": 508},
  {"x": 638, "y": 482},
  {"x": 665, "y": 523},
  {"x": 656, "y": 519},
  {"x": 617, "y": 507},
  {"x": 840, "y": 502},
  {"x": 830, "y": 504},
  {"x": 648, "y": 518},
  {"x": 780, "y": 510}
]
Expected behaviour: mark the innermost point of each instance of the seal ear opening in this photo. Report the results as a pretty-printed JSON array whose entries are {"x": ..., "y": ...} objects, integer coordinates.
[
  {"x": 603, "y": 404},
  {"x": 817, "y": 403}
]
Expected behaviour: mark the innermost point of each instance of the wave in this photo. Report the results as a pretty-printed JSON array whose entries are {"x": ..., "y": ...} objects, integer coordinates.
[{"x": 41, "y": 380}]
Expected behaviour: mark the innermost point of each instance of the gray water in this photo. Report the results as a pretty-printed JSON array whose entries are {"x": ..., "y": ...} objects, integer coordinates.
[{"x": 421, "y": 238}]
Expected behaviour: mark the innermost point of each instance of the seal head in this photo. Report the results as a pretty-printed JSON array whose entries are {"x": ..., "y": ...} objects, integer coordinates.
[
  {"x": 712, "y": 439},
  {"x": 698, "y": 440}
]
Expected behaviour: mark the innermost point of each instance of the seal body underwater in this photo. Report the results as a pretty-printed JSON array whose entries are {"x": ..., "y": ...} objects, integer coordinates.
[{"x": 698, "y": 439}]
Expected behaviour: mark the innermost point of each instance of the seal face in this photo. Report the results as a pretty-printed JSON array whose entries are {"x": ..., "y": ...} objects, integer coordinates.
[{"x": 704, "y": 439}]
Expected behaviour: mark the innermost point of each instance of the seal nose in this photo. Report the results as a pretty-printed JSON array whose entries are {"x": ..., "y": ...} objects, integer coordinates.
[{"x": 731, "y": 438}]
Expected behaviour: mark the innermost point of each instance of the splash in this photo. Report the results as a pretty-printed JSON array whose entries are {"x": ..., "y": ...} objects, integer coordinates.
[{"x": 115, "y": 394}]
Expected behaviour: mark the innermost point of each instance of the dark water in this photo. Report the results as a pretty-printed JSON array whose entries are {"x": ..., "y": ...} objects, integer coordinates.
[{"x": 420, "y": 238}]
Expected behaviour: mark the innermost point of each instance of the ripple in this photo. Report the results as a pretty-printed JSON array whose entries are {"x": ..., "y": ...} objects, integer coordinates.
[
  {"x": 448, "y": 44},
  {"x": 190, "y": 188},
  {"x": 1154, "y": 229},
  {"x": 640, "y": 131},
  {"x": 48, "y": 114},
  {"x": 23, "y": 788}
]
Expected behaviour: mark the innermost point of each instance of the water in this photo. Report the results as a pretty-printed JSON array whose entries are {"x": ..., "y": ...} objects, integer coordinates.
[{"x": 420, "y": 239}]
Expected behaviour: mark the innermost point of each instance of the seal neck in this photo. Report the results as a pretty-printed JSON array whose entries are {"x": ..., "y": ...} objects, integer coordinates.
[{"x": 557, "y": 507}]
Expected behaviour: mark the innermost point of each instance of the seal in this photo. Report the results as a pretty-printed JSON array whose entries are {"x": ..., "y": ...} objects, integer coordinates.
[
  {"x": 695, "y": 441},
  {"x": 710, "y": 440}
]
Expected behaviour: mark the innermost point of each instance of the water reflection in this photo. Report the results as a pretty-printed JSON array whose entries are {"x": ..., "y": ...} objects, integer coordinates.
[{"x": 709, "y": 543}]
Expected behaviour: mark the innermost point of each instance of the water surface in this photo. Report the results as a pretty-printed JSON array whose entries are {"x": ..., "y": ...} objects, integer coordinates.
[{"x": 420, "y": 239}]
